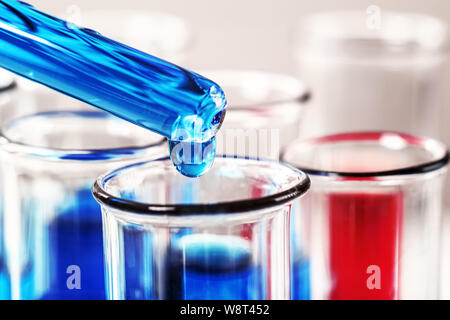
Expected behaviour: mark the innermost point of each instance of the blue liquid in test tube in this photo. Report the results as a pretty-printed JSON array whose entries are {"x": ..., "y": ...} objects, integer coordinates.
[
  {"x": 300, "y": 264},
  {"x": 72, "y": 238},
  {"x": 199, "y": 267},
  {"x": 220, "y": 268},
  {"x": 75, "y": 238},
  {"x": 300, "y": 280},
  {"x": 5, "y": 284},
  {"x": 179, "y": 104}
]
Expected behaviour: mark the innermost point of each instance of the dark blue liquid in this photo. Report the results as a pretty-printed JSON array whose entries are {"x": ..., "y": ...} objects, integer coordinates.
[
  {"x": 209, "y": 268},
  {"x": 204, "y": 269},
  {"x": 128, "y": 83},
  {"x": 139, "y": 267},
  {"x": 75, "y": 238},
  {"x": 4, "y": 278},
  {"x": 300, "y": 280},
  {"x": 299, "y": 265},
  {"x": 5, "y": 289}
]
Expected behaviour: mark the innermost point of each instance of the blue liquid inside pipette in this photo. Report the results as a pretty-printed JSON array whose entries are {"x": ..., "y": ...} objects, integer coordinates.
[{"x": 152, "y": 93}]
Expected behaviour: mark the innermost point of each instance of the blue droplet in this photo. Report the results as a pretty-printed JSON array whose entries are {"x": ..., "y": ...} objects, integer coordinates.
[{"x": 192, "y": 159}]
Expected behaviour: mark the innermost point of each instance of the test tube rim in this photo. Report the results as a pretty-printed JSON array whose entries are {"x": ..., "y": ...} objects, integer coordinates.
[
  {"x": 10, "y": 145},
  {"x": 201, "y": 209},
  {"x": 303, "y": 95},
  {"x": 305, "y": 30},
  {"x": 10, "y": 85},
  {"x": 420, "y": 168}
]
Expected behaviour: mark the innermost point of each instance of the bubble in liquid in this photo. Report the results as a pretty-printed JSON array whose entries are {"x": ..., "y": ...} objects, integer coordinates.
[{"x": 192, "y": 159}]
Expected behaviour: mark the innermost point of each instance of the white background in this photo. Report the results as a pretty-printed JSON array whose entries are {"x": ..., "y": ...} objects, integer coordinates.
[{"x": 246, "y": 33}]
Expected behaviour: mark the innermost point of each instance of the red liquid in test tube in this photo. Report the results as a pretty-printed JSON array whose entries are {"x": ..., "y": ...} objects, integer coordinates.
[{"x": 364, "y": 244}]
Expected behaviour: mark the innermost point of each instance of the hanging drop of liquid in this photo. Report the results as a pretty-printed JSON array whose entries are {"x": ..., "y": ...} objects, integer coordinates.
[{"x": 192, "y": 159}]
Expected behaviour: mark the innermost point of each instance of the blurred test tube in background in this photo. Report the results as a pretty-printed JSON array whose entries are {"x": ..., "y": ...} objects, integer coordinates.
[
  {"x": 7, "y": 82},
  {"x": 378, "y": 70},
  {"x": 49, "y": 161},
  {"x": 8, "y": 91},
  {"x": 372, "y": 70},
  {"x": 264, "y": 113}
]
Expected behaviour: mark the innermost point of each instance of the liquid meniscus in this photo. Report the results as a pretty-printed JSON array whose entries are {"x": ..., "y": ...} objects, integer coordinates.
[{"x": 179, "y": 104}]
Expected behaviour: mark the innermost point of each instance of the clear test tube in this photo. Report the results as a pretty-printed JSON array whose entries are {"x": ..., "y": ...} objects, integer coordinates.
[
  {"x": 264, "y": 112},
  {"x": 33, "y": 98},
  {"x": 375, "y": 208},
  {"x": 374, "y": 70},
  {"x": 53, "y": 234},
  {"x": 224, "y": 235}
]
